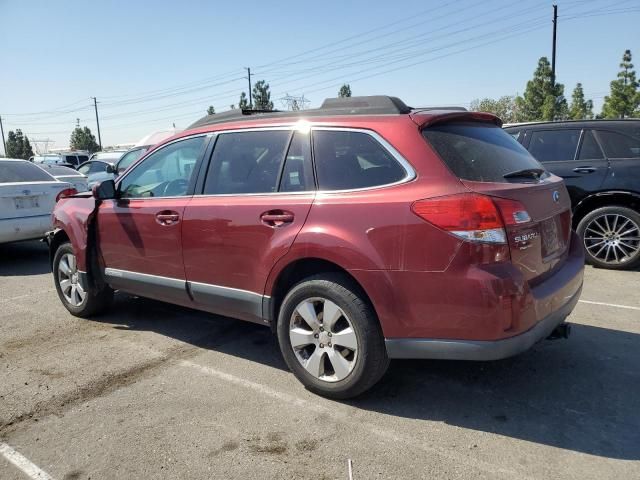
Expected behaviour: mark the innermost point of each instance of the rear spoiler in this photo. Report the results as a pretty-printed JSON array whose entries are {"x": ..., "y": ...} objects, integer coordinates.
[{"x": 434, "y": 118}]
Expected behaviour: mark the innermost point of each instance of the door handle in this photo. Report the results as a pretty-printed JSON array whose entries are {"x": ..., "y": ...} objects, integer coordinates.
[
  {"x": 276, "y": 218},
  {"x": 167, "y": 217},
  {"x": 584, "y": 169}
]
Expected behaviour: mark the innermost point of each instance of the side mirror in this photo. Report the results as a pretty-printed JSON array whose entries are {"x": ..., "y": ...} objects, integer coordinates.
[
  {"x": 111, "y": 169},
  {"x": 104, "y": 190}
]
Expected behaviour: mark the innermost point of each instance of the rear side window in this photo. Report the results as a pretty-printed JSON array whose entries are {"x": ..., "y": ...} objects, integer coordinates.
[
  {"x": 82, "y": 158},
  {"x": 554, "y": 145},
  {"x": 22, "y": 172},
  {"x": 297, "y": 175},
  {"x": 246, "y": 162},
  {"x": 479, "y": 152},
  {"x": 347, "y": 160},
  {"x": 72, "y": 159},
  {"x": 589, "y": 149},
  {"x": 617, "y": 145}
]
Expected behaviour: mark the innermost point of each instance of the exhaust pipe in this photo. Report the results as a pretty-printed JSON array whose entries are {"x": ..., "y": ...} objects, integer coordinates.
[{"x": 561, "y": 331}]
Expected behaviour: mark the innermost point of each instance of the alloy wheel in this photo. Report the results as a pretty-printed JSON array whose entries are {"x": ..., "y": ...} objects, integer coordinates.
[
  {"x": 69, "y": 280},
  {"x": 612, "y": 238},
  {"x": 323, "y": 339}
]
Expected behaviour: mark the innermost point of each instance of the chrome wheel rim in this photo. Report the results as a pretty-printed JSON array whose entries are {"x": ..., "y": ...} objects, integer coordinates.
[
  {"x": 323, "y": 339},
  {"x": 69, "y": 280},
  {"x": 612, "y": 238}
]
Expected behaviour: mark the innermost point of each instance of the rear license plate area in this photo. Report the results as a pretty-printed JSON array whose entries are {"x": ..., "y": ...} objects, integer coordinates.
[
  {"x": 553, "y": 238},
  {"x": 23, "y": 203}
]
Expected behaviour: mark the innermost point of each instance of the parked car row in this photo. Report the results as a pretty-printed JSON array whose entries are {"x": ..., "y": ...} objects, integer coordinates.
[
  {"x": 360, "y": 231},
  {"x": 600, "y": 164}
]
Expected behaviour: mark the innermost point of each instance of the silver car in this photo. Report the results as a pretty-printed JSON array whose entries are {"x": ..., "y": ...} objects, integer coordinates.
[{"x": 27, "y": 197}]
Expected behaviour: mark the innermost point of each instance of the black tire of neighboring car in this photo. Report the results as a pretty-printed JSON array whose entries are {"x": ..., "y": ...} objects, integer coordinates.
[
  {"x": 372, "y": 361},
  {"x": 616, "y": 210},
  {"x": 96, "y": 301}
]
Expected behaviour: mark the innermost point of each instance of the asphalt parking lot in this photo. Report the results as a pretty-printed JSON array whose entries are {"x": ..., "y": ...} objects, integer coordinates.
[{"x": 155, "y": 391}]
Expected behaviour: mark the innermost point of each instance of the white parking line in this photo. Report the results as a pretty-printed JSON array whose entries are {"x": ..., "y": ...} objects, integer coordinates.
[
  {"x": 23, "y": 463},
  {"x": 388, "y": 435},
  {"x": 615, "y": 305}
]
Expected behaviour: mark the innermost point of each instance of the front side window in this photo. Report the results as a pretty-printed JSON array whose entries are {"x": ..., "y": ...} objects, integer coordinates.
[
  {"x": 98, "y": 167},
  {"x": 84, "y": 168},
  {"x": 554, "y": 145},
  {"x": 618, "y": 145},
  {"x": 165, "y": 173},
  {"x": 246, "y": 162},
  {"x": 347, "y": 160}
]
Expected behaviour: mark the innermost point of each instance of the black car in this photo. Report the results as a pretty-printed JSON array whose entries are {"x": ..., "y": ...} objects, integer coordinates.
[{"x": 600, "y": 163}]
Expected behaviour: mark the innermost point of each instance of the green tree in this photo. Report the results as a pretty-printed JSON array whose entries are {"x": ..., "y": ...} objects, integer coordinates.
[
  {"x": 345, "y": 91},
  {"x": 211, "y": 110},
  {"x": 504, "y": 107},
  {"x": 83, "y": 139},
  {"x": 542, "y": 100},
  {"x": 243, "y": 103},
  {"x": 624, "y": 100},
  {"x": 18, "y": 145},
  {"x": 262, "y": 96},
  {"x": 580, "y": 108}
]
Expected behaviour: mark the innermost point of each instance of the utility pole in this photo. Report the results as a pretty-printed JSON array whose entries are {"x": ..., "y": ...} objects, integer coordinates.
[
  {"x": 4, "y": 144},
  {"x": 553, "y": 52},
  {"x": 95, "y": 105},
  {"x": 250, "y": 96}
]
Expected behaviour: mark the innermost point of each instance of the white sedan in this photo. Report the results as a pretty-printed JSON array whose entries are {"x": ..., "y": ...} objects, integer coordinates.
[{"x": 27, "y": 197}]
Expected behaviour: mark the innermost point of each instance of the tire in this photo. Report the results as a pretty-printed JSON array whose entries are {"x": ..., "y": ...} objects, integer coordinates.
[
  {"x": 93, "y": 302},
  {"x": 348, "y": 356},
  {"x": 611, "y": 237}
]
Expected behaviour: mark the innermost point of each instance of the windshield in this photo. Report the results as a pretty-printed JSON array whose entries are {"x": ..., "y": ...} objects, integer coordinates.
[{"x": 480, "y": 152}]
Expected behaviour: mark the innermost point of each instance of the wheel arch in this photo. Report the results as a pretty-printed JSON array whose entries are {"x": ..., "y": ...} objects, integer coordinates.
[
  {"x": 296, "y": 270},
  {"x": 604, "y": 199}
]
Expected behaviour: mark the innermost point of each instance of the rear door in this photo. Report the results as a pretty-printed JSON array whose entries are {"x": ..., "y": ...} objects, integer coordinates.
[
  {"x": 481, "y": 155},
  {"x": 572, "y": 154},
  {"x": 622, "y": 149},
  {"x": 256, "y": 195}
]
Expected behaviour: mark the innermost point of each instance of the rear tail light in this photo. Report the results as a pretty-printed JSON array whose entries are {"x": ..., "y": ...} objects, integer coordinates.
[
  {"x": 471, "y": 216},
  {"x": 67, "y": 192}
]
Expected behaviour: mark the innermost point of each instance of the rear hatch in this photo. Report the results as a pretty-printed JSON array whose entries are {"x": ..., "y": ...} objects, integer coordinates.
[{"x": 534, "y": 204}]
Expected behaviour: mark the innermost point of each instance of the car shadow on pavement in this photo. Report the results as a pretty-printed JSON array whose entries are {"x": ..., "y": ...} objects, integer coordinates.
[
  {"x": 24, "y": 258},
  {"x": 581, "y": 394}
]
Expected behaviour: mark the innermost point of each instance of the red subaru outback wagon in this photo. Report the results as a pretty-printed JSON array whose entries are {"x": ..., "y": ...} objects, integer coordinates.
[{"x": 361, "y": 231}]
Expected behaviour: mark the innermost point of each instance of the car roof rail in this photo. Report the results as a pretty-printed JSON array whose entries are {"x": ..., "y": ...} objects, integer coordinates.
[{"x": 365, "y": 105}]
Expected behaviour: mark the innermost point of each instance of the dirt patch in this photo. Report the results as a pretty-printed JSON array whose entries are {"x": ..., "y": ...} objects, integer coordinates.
[
  {"x": 272, "y": 444},
  {"x": 227, "y": 446}
]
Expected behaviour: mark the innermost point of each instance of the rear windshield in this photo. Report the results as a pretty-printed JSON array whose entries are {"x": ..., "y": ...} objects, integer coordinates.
[
  {"x": 22, "y": 172},
  {"x": 479, "y": 152},
  {"x": 60, "y": 171}
]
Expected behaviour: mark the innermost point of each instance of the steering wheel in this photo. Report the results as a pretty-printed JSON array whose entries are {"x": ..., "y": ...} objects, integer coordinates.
[{"x": 175, "y": 188}]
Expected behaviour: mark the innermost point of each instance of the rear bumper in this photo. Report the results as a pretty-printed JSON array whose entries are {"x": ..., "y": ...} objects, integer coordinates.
[
  {"x": 483, "y": 349},
  {"x": 24, "y": 228}
]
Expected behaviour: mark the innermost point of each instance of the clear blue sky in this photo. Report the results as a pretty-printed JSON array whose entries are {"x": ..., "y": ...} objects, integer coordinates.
[{"x": 154, "y": 63}]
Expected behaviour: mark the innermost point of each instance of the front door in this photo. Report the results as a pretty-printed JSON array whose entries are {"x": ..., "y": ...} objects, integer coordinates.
[
  {"x": 258, "y": 191},
  {"x": 139, "y": 233}
]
